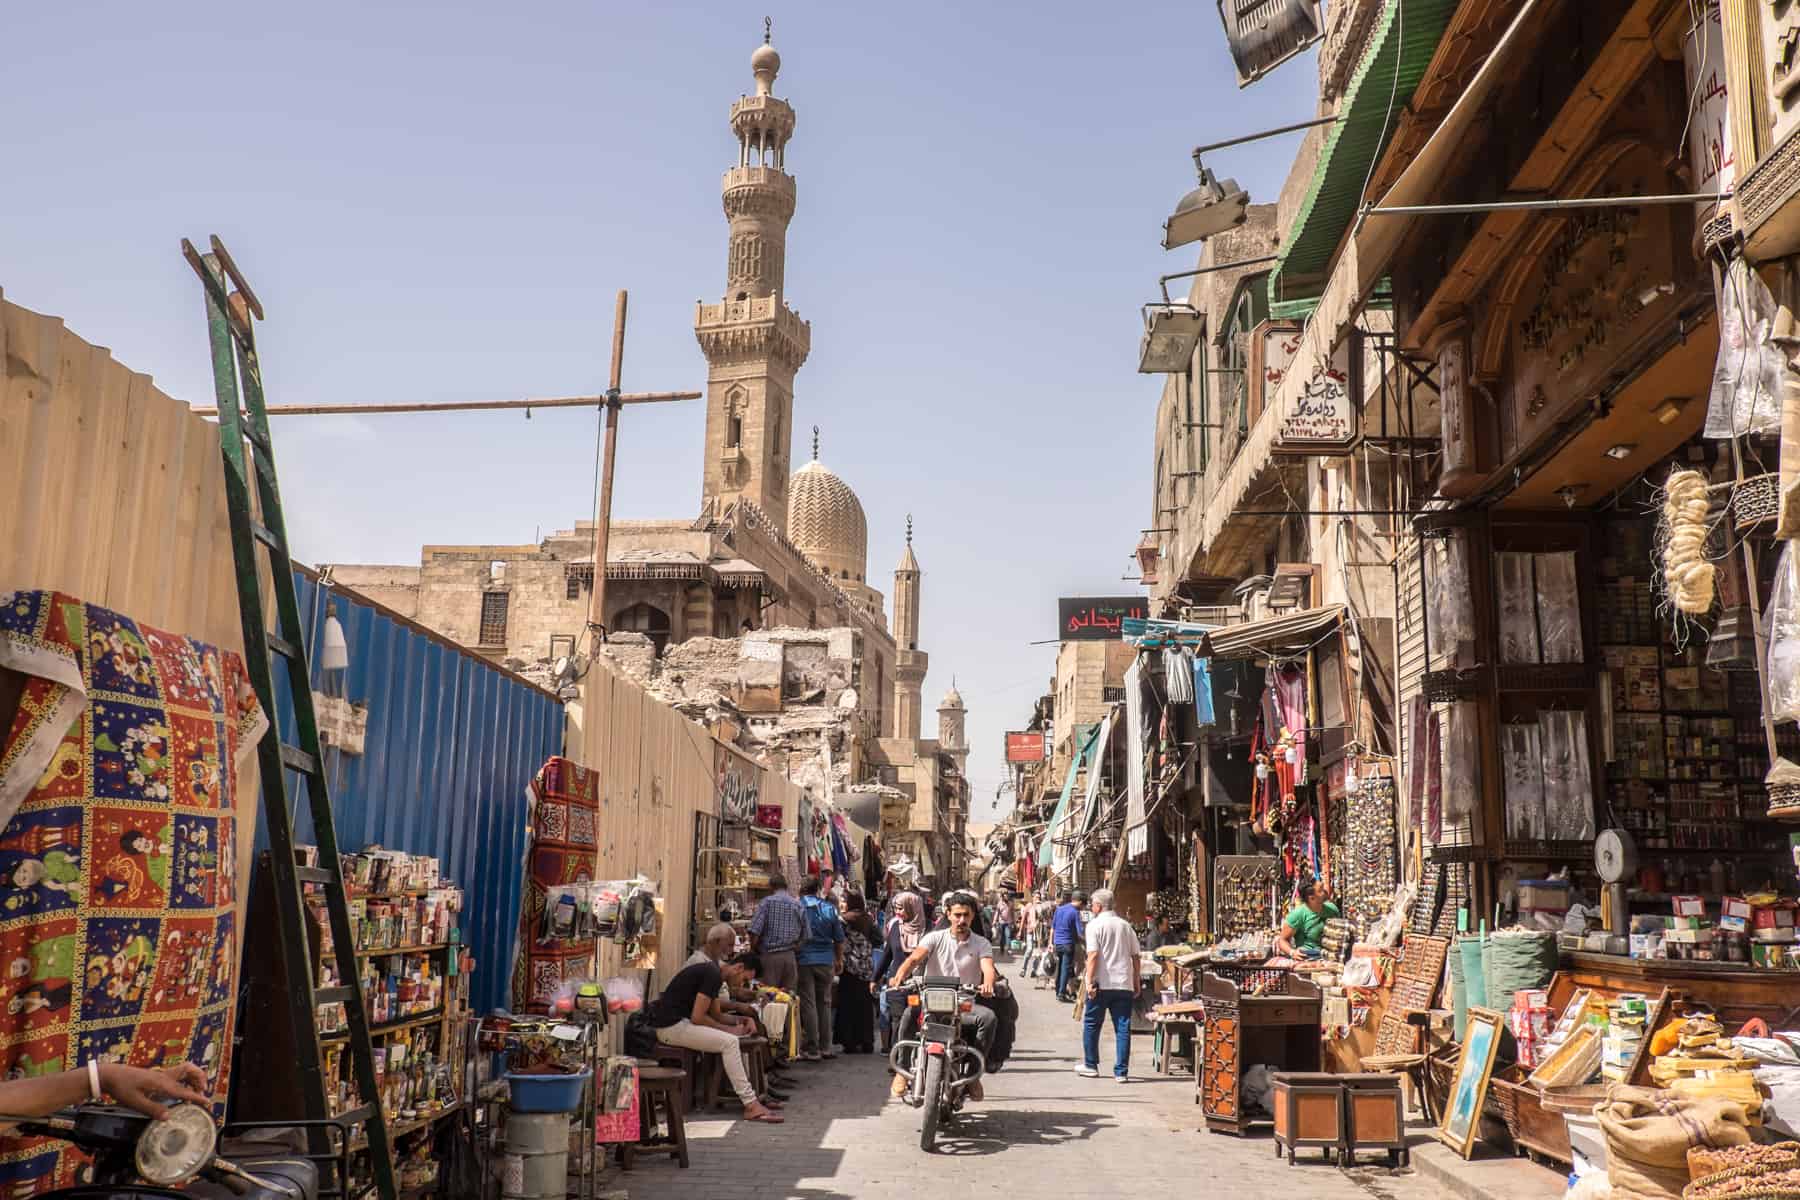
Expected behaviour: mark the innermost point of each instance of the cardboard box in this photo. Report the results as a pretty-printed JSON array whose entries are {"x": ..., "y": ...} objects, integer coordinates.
[
  {"x": 1692, "y": 937},
  {"x": 1772, "y": 916},
  {"x": 1689, "y": 906},
  {"x": 1734, "y": 913},
  {"x": 1783, "y": 935}
]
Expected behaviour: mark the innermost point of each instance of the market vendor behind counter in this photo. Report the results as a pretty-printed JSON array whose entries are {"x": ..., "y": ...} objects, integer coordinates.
[{"x": 1302, "y": 932}]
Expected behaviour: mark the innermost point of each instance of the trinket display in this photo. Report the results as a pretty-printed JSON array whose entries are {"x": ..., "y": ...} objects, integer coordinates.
[{"x": 1244, "y": 893}]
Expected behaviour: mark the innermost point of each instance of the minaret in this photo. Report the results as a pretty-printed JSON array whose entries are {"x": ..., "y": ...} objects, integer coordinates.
[
  {"x": 952, "y": 728},
  {"x": 910, "y": 662},
  {"x": 753, "y": 342}
]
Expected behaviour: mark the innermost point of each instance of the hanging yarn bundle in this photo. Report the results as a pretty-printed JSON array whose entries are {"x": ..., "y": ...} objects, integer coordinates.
[{"x": 1685, "y": 569}]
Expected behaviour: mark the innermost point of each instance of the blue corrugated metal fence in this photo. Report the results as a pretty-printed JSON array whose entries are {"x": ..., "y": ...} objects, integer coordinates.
[{"x": 453, "y": 743}]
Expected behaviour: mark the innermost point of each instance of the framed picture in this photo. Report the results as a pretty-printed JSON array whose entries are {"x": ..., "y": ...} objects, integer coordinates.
[{"x": 1468, "y": 1087}]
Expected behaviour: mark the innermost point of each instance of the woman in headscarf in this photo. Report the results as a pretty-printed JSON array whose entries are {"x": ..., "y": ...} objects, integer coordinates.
[
  {"x": 854, "y": 1013},
  {"x": 899, "y": 939}
]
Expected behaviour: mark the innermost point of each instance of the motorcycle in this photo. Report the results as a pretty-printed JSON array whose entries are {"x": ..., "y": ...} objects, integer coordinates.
[
  {"x": 938, "y": 1064},
  {"x": 176, "y": 1158}
]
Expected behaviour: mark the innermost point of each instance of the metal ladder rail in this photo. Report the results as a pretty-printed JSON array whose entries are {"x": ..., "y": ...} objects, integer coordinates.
[{"x": 233, "y": 345}]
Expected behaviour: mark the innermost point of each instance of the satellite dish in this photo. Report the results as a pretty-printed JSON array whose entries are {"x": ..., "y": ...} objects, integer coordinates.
[
  {"x": 566, "y": 669},
  {"x": 1615, "y": 856}
]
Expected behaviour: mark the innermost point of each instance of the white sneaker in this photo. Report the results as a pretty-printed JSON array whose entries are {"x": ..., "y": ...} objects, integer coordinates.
[
  {"x": 1121, "y": 1079},
  {"x": 1087, "y": 1072}
]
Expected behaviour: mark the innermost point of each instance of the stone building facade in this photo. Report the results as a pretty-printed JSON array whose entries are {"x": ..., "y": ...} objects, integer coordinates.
[{"x": 768, "y": 551}]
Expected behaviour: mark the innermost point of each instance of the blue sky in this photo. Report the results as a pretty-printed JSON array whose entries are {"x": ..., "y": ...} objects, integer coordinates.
[{"x": 439, "y": 201}]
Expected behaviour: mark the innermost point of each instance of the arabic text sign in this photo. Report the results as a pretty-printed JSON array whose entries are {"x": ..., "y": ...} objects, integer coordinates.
[
  {"x": 1321, "y": 416},
  {"x": 1024, "y": 747},
  {"x": 1096, "y": 618}
]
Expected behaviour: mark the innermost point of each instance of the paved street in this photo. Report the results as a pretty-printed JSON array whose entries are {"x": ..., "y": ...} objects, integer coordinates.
[{"x": 1042, "y": 1131}]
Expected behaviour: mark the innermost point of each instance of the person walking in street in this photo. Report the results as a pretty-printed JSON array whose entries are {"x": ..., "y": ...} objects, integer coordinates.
[
  {"x": 777, "y": 928},
  {"x": 820, "y": 959},
  {"x": 854, "y": 1011},
  {"x": 1065, "y": 940},
  {"x": 1003, "y": 923},
  {"x": 686, "y": 1015},
  {"x": 1112, "y": 979}
]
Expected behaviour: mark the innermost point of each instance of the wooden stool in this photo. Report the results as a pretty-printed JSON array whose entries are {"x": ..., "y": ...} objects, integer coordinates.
[
  {"x": 659, "y": 1087},
  {"x": 757, "y": 1057},
  {"x": 701, "y": 1073},
  {"x": 1174, "y": 1040}
]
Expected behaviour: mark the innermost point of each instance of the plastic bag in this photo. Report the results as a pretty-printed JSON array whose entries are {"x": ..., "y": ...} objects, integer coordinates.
[
  {"x": 1522, "y": 761},
  {"x": 1747, "y": 377},
  {"x": 1568, "y": 776},
  {"x": 1462, "y": 758},
  {"x": 1784, "y": 638},
  {"x": 1452, "y": 614},
  {"x": 1558, "y": 607},
  {"x": 623, "y": 994}
]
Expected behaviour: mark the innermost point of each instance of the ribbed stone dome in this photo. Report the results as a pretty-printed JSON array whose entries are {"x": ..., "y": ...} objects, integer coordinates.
[{"x": 825, "y": 519}]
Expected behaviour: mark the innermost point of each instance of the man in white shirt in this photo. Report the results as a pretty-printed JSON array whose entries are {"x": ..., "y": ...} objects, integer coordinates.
[
  {"x": 961, "y": 953},
  {"x": 1112, "y": 984}
]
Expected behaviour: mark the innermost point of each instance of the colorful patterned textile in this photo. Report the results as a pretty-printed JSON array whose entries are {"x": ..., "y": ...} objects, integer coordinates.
[
  {"x": 118, "y": 860},
  {"x": 565, "y": 816}
]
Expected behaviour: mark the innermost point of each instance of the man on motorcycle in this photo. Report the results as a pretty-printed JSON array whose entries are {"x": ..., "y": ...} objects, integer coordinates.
[{"x": 959, "y": 952}]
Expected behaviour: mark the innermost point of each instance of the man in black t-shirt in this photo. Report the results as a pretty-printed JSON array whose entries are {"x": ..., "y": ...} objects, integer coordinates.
[{"x": 683, "y": 1016}]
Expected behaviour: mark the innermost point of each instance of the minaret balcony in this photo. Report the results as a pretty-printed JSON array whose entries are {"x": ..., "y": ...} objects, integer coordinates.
[
  {"x": 763, "y": 112},
  {"x": 756, "y": 327},
  {"x": 760, "y": 178}
]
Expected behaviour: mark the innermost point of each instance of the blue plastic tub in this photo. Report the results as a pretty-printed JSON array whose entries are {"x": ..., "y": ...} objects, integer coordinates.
[{"x": 546, "y": 1093}]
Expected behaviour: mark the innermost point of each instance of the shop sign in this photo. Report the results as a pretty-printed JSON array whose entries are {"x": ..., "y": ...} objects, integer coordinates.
[
  {"x": 1273, "y": 347},
  {"x": 1709, "y": 140},
  {"x": 1024, "y": 747},
  {"x": 740, "y": 786},
  {"x": 1097, "y": 619},
  {"x": 1605, "y": 278},
  {"x": 1321, "y": 417}
]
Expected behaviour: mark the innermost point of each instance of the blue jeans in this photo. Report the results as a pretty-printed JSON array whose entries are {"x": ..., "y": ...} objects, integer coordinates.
[
  {"x": 1065, "y": 966},
  {"x": 1115, "y": 1003}
]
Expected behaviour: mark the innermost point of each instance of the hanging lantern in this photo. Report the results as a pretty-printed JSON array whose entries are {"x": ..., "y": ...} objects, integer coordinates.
[{"x": 1148, "y": 555}]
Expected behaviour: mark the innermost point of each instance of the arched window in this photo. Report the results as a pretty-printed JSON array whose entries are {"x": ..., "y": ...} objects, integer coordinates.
[{"x": 646, "y": 619}]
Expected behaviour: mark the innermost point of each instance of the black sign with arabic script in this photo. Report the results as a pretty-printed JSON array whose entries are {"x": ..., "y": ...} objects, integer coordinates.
[{"x": 1096, "y": 618}]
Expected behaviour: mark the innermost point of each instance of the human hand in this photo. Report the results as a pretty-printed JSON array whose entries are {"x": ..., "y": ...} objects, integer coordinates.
[
  {"x": 135, "y": 1087},
  {"x": 986, "y": 989}
]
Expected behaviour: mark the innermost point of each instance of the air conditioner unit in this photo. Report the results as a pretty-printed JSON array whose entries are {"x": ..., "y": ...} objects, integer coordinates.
[
  {"x": 1293, "y": 587},
  {"x": 1263, "y": 34},
  {"x": 1212, "y": 614}
]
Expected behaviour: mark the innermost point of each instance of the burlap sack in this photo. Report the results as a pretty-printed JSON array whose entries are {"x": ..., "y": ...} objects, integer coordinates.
[{"x": 1649, "y": 1132}]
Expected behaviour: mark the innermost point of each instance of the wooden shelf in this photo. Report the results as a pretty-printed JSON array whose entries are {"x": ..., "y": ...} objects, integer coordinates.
[
  {"x": 392, "y": 895},
  {"x": 384, "y": 952},
  {"x": 430, "y": 1018},
  {"x": 399, "y": 1129}
]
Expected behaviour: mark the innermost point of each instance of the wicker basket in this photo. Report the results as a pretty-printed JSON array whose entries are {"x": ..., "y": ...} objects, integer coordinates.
[
  {"x": 1777, "y": 1180},
  {"x": 1754, "y": 501},
  {"x": 1704, "y": 1162}
]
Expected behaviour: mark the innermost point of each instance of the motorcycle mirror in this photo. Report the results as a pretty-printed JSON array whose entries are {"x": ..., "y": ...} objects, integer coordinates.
[{"x": 174, "y": 1149}]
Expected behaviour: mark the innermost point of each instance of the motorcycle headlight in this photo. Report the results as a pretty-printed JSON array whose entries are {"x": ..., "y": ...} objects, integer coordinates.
[
  {"x": 173, "y": 1150},
  {"x": 940, "y": 1000}
]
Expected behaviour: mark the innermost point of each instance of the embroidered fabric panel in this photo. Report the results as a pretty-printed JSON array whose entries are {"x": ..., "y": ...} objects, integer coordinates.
[
  {"x": 118, "y": 868},
  {"x": 565, "y": 819}
]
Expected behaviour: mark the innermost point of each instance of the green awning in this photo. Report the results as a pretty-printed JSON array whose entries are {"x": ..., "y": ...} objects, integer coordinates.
[
  {"x": 1407, "y": 34},
  {"x": 1084, "y": 742}
]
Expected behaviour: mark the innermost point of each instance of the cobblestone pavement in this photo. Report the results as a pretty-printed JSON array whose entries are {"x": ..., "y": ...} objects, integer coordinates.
[{"x": 1043, "y": 1131}]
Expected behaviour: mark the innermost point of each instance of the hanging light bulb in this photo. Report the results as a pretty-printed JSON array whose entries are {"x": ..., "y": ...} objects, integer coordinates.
[
  {"x": 1262, "y": 769},
  {"x": 334, "y": 655},
  {"x": 1290, "y": 755}
]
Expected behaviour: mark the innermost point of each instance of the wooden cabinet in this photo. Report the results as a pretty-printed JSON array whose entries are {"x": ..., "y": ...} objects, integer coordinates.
[{"x": 1254, "y": 1016}]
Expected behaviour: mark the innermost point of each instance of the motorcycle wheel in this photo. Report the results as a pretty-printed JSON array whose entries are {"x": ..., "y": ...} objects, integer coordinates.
[{"x": 934, "y": 1100}]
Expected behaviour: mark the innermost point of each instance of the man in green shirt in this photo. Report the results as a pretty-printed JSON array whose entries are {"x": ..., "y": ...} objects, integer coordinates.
[{"x": 1300, "y": 934}]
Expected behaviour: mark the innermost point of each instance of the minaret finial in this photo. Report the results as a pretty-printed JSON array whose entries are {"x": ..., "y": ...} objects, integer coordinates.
[
  {"x": 909, "y": 529},
  {"x": 815, "y": 443},
  {"x": 768, "y": 29}
]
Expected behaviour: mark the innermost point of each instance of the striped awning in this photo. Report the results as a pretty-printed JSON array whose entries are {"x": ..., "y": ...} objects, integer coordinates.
[{"x": 1272, "y": 637}]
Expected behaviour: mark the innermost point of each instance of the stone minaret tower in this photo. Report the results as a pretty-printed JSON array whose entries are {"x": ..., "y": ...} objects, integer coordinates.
[
  {"x": 910, "y": 662},
  {"x": 753, "y": 342},
  {"x": 952, "y": 732}
]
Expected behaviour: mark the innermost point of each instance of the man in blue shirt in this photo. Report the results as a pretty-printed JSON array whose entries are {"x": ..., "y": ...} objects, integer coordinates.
[
  {"x": 821, "y": 961},
  {"x": 1066, "y": 942}
]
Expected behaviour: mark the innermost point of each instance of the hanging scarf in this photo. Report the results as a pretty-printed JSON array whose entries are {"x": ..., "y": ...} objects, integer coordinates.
[
  {"x": 1434, "y": 779},
  {"x": 1178, "y": 676}
]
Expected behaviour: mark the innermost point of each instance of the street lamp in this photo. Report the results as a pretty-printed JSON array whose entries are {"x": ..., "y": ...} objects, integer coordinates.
[
  {"x": 1211, "y": 208},
  {"x": 1171, "y": 331},
  {"x": 1263, "y": 34}
]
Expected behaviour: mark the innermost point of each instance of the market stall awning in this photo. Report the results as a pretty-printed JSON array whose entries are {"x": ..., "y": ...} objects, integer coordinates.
[
  {"x": 1400, "y": 48},
  {"x": 1272, "y": 636},
  {"x": 1084, "y": 742}
]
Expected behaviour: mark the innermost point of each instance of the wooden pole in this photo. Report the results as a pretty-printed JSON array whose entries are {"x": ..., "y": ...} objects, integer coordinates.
[
  {"x": 603, "y": 519},
  {"x": 440, "y": 406}
]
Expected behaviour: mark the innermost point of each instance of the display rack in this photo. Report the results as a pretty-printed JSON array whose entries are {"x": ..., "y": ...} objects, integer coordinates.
[{"x": 417, "y": 1026}]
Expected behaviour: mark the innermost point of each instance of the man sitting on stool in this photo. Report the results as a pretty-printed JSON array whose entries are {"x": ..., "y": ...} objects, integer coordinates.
[
  {"x": 684, "y": 1016},
  {"x": 721, "y": 940}
]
